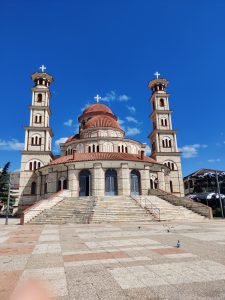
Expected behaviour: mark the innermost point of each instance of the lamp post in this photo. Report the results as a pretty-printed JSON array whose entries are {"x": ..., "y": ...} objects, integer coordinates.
[
  {"x": 8, "y": 199},
  {"x": 218, "y": 189}
]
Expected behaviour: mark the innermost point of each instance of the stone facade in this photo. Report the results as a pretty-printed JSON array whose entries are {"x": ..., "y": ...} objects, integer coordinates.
[{"x": 99, "y": 160}]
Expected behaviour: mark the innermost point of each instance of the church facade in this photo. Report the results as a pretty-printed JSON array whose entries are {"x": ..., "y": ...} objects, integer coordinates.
[{"x": 98, "y": 160}]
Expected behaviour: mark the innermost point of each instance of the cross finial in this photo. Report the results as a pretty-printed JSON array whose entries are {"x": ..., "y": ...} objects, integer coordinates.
[
  {"x": 97, "y": 98},
  {"x": 42, "y": 68},
  {"x": 157, "y": 74}
]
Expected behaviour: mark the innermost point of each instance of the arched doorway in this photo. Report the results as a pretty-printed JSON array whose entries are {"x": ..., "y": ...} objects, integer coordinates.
[
  {"x": 62, "y": 184},
  {"x": 111, "y": 183},
  {"x": 85, "y": 183},
  {"x": 135, "y": 183}
]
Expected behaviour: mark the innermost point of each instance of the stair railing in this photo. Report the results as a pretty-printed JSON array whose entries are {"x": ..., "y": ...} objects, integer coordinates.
[{"x": 147, "y": 204}]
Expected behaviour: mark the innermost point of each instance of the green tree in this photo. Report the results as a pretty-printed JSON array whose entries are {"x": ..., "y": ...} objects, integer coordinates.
[{"x": 4, "y": 185}]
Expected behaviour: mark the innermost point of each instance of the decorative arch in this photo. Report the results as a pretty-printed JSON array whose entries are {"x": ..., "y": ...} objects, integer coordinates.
[
  {"x": 153, "y": 182},
  {"x": 39, "y": 97},
  {"x": 171, "y": 165},
  {"x": 33, "y": 165},
  {"x": 167, "y": 142},
  {"x": 36, "y": 140},
  {"x": 62, "y": 184}
]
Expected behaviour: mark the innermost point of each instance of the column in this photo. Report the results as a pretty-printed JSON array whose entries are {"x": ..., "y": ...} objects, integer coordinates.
[
  {"x": 161, "y": 180},
  {"x": 73, "y": 181},
  {"x": 145, "y": 180},
  {"x": 98, "y": 180},
  {"x": 124, "y": 180}
]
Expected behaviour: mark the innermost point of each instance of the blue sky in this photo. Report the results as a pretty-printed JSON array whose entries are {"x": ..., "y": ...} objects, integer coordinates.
[{"x": 113, "y": 47}]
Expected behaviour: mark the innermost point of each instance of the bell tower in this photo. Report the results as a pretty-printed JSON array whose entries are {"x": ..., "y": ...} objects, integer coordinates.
[
  {"x": 163, "y": 138},
  {"x": 38, "y": 137}
]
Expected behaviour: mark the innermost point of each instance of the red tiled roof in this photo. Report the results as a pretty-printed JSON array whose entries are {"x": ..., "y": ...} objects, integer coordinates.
[
  {"x": 73, "y": 137},
  {"x": 101, "y": 121},
  {"x": 98, "y": 107},
  {"x": 101, "y": 156}
]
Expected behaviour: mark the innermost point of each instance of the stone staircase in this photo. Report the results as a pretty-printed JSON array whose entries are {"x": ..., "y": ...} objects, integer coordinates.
[
  {"x": 119, "y": 209},
  {"x": 69, "y": 210},
  {"x": 168, "y": 211}
]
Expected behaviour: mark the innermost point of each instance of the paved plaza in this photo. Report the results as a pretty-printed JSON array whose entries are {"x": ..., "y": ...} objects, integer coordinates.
[{"x": 109, "y": 261}]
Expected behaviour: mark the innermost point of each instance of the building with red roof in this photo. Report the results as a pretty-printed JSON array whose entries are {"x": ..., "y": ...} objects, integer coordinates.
[{"x": 98, "y": 160}]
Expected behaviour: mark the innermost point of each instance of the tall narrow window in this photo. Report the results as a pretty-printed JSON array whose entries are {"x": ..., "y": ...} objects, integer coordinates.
[
  {"x": 126, "y": 149},
  {"x": 46, "y": 187},
  {"x": 30, "y": 166},
  {"x": 39, "y": 164},
  {"x": 98, "y": 148},
  {"x": 171, "y": 186},
  {"x": 39, "y": 98},
  {"x": 93, "y": 148},
  {"x": 122, "y": 148},
  {"x": 35, "y": 165},
  {"x": 161, "y": 102},
  {"x": 118, "y": 148},
  {"x": 32, "y": 141},
  {"x": 33, "y": 188},
  {"x": 89, "y": 149}
]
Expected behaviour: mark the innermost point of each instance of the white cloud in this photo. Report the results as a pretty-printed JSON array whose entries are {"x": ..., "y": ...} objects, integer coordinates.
[
  {"x": 120, "y": 121},
  {"x": 85, "y": 106},
  {"x": 148, "y": 150},
  {"x": 132, "y": 119},
  {"x": 190, "y": 151},
  {"x": 68, "y": 123},
  {"x": 214, "y": 160},
  {"x": 131, "y": 109},
  {"x": 12, "y": 144},
  {"x": 113, "y": 96},
  {"x": 132, "y": 131},
  {"x": 61, "y": 140}
]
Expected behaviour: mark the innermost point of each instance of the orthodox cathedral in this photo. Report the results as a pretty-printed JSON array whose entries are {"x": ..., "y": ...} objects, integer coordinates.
[{"x": 98, "y": 160}]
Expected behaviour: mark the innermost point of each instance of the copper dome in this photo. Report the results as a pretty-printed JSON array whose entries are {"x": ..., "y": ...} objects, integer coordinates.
[
  {"x": 98, "y": 107},
  {"x": 101, "y": 121}
]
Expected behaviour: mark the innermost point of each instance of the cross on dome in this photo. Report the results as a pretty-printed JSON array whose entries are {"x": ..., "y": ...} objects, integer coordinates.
[
  {"x": 157, "y": 74},
  {"x": 42, "y": 68},
  {"x": 97, "y": 98}
]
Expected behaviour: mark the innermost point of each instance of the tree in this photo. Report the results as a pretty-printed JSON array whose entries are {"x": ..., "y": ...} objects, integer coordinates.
[{"x": 4, "y": 186}]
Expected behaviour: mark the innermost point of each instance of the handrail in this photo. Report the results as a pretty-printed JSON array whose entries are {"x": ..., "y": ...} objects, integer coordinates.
[
  {"x": 197, "y": 207},
  {"x": 147, "y": 204}
]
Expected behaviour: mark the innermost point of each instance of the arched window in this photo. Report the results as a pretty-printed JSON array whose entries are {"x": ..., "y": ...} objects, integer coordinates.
[
  {"x": 166, "y": 143},
  {"x": 89, "y": 149},
  {"x": 126, "y": 149},
  {"x": 30, "y": 166},
  {"x": 32, "y": 141},
  {"x": 122, "y": 148},
  {"x": 33, "y": 188},
  {"x": 93, "y": 148},
  {"x": 118, "y": 148},
  {"x": 151, "y": 184},
  {"x": 39, "y": 98},
  {"x": 39, "y": 164},
  {"x": 171, "y": 187},
  {"x": 161, "y": 102},
  {"x": 98, "y": 148},
  {"x": 35, "y": 165}
]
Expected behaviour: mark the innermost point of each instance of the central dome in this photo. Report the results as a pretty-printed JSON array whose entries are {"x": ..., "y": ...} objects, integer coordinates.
[
  {"x": 101, "y": 121},
  {"x": 98, "y": 107}
]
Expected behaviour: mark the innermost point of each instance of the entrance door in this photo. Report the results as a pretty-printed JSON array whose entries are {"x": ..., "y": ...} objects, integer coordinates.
[
  {"x": 135, "y": 182},
  {"x": 111, "y": 183},
  {"x": 85, "y": 183}
]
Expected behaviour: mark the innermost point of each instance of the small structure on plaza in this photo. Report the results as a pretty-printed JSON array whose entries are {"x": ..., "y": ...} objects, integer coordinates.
[{"x": 98, "y": 160}]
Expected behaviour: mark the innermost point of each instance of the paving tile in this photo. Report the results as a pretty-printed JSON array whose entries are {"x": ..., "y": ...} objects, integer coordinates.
[
  {"x": 13, "y": 262},
  {"x": 48, "y": 260},
  {"x": 8, "y": 282},
  {"x": 47, "y": 248},
  {"x": 168, "y": 250}
]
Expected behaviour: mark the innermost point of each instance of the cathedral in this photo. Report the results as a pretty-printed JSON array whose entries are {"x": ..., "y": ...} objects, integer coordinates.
[{"x": 98, "y": 160}]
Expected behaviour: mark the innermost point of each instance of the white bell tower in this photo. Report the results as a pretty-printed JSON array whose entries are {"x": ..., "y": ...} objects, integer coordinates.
[
  {"x": 163, "y": 138},
  {"x": 38, "y": 138}
]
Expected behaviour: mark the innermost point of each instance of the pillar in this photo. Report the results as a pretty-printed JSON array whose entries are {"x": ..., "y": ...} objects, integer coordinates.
[{"x": 98, "y": 180}]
